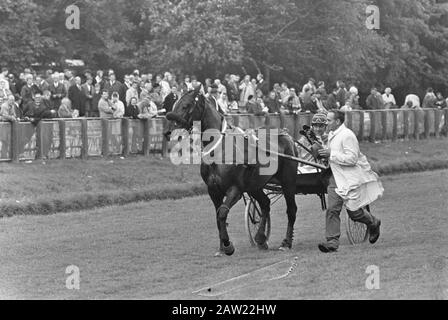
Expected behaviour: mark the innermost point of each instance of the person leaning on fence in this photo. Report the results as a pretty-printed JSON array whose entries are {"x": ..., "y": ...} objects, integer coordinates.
[
  {"x": 353, "y": 183},
  {"x": 132, "y": 110},
  {"x": 255, "y": 108},
  {"x": 65, "y": 109},
  {"x": 104, "y": 106}
]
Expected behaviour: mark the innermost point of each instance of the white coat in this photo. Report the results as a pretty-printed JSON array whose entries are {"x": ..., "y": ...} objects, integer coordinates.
[{"x": 356, "y": 183}]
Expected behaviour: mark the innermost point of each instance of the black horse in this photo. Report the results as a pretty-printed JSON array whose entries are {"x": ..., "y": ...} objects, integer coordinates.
[{"x": 230, "y": 181}]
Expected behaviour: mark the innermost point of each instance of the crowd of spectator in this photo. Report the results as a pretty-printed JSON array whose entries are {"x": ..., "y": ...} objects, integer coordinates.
[{"x": 32, "y": 96}]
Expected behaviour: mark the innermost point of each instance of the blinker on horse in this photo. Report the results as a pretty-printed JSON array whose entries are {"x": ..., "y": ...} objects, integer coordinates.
[{"x": 226, "y": 183}]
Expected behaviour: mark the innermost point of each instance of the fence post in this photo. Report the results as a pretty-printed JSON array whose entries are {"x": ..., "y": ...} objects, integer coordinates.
[
  {"x": 267, "y": 122},
  {"x": 146, "y": 137},
  {"x": 384, "y": 136},
  {"x": 372, "y": 126},
  {"x": 361, "y": 126},
  {"x": 349, "y": 118},
  {"x": 164, "y": 140},
  {"x": 39, "y": 142},
  {"x": 395, "y": 125},
  {"x": 62, "y": 142},
  {"x": 106, "y": 137},
  {"x": 236, "y": 120},
  {"x": 445, "y": 125},
  {"x": 85, "y": 140},
  {"x": 406, "y": 124},
  {"x": 296, "y": 126},
  {"x": 426, "y": 124},
  {"x": 416, "y": 125},
  {"x": 125, "y": 136},
  {"x": 437, "y": 118},
  {"x": 15, "y": 141}
]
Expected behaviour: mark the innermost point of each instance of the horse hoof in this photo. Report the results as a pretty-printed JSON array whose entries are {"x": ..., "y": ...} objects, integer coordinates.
[
  {"x": 263, "y": 246},
  {"x": 282, "y": 248},
  {"x": 218, "y": 254},
  {"x": 230, "y": 250}
]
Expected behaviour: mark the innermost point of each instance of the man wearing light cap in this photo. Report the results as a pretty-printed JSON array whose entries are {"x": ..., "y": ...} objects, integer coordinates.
[{"x": 352, "y": 184}]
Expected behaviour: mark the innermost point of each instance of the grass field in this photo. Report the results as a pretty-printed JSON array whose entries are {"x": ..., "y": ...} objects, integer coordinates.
[
  {"x": 164, "y": 250},
  {"x": 58, "y": 179}
]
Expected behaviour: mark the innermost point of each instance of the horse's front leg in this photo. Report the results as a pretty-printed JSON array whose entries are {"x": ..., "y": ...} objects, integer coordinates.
[
  {"x": 217, "y": 198},
  {"x": 233, "y": 195},
  {"x": 291, "y": 211},
  {"x": 265, "y": 207}
]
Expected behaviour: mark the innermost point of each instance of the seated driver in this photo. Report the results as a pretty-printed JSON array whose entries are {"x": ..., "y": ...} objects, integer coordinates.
[{"x": 318, "y": 132}]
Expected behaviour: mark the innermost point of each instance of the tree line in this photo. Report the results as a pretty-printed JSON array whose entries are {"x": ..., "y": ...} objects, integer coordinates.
[{"x": 287, "y": 40}]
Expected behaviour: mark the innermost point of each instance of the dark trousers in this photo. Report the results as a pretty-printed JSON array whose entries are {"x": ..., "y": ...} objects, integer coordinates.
[{"x": 333, "y": 219}]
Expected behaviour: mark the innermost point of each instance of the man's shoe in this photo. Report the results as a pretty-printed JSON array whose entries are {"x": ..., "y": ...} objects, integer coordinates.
[
  {"x": 374, "y": 231},
  {"x": 327, "y": 248}
]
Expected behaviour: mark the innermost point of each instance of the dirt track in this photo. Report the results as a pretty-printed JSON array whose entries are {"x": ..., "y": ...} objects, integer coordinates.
[{"x": 164, "y": 250}]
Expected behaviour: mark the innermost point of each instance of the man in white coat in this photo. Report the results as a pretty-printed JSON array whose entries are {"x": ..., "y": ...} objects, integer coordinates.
[{"x": 353, "y": 183}]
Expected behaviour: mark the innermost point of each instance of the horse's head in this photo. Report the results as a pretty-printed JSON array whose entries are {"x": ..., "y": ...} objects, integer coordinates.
[{"x": 188, "y": 109}]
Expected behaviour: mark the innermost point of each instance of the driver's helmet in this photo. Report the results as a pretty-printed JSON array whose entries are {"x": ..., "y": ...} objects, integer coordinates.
[{"x": 319, "y": 118}]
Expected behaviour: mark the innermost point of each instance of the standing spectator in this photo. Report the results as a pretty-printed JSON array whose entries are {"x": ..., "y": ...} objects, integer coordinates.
[
  {"x": 104, "y": 106},
  {"x": 88, "y": 91},
  {"x": 232, "y": 90},
  {"x": 353, "y": 99},
  {"x": 246, "y": 89},
  {"x": 132, "y": 110},
  {"x": 127, "y": 82},
  {"x": 332, "y": 102},
  {"x": 221, "y": 87},
  {"x": 155, "y": 96},
  {"x": 99, "y": 79},
  {"x": 41, "y": 84},
  {"x": 10, "y": 110},
  {"x": 95, "y": 101},
  {"x": 389, "y": 99},
  {"x": 4, "y": 75},
  {"x": 186, "y": 85},
  {"x": 322, "y": 91},
  {"x": 293, "y": 105},
  {"x": 13, "y": 85},
  {"x": 277, "y": 89},
  {"x": 341, "y": 95},
  {"x": 165, "y": 87},
  {"x": 171, "y": 99},
  {"x": 4, "y": 91},
  {"x": 113, "y": 85},
  {"x": 430, "y": 99},
  {"x": 159, "y": 78},
  {"x": 46, "y": 100},
  {"x": 57, "y": 90},
  {"x": 65, "y": 109},
  {"x": 27, "y": 92},
  {"x": 284, "y": 93},
  {"x": 262, "y": 84},
  {"x": 318, "y": 104},
  {"x": 223, "y": 102},
  {"x": 132, "y": 92},
  {"x": 77, "y": 97},
  {"x": 374, "y": 101},
  {"x": 117, "y": 106},
  {"x": 441, "y": 103},
  {"x": 307, "y": 101},
  {"x": 272, "y": 103},
  {"x": 311, "y": 85}
]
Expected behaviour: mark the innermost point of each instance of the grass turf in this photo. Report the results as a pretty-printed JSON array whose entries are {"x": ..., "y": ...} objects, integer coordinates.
[{"x": 46, "y": 187}]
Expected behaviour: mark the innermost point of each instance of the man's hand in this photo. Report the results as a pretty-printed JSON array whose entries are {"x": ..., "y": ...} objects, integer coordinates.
[{"x": 324, "y": 153}]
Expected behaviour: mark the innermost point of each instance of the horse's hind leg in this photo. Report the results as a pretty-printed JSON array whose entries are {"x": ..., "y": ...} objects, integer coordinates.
[
  {"x": 233, "y": 195},
  {"x": 265, "y": 206}
]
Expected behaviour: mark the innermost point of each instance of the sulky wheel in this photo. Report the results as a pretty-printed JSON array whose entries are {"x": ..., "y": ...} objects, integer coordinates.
[
  {"x": 357, "y": 232},
  {"x": 253, "y": 218}
]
